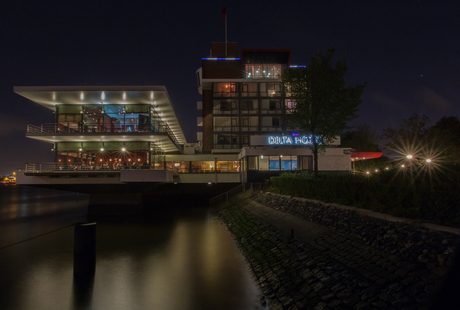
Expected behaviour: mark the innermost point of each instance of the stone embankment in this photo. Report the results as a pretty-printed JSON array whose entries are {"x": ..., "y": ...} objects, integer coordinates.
[{"x": 348, "y": 261}]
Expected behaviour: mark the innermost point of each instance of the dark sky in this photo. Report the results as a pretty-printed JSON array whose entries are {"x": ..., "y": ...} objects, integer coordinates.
[{"x": 407, "y": 50}]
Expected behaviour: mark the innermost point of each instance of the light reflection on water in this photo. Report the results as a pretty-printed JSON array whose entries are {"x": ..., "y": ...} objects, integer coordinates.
[{"x": 183, "y": 261}]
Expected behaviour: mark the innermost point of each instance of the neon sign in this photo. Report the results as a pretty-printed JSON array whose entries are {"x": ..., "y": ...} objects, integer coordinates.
[{"x": 287, "y": 140}]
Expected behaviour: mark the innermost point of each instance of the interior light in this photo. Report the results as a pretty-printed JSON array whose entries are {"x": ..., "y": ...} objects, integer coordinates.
[
  {"x": 100, "y": 159},
  {"x": 138, "y": 159},
  {"x": 123, "y": 149},
  {"x": 151, "y": 95},
  {"x": 102, "y": 149},
  {"x": 428, "y": 160},
  {"x": 129, "y": 159},
  {"x": 110, "y": 159},
  {"x": 124, "y": 96},
  {"x": 409, "y": 156},
  {"x": 402, "y": 166},
  {"x": 82, "y": 96},
  {"x": 103, "y": 96}
]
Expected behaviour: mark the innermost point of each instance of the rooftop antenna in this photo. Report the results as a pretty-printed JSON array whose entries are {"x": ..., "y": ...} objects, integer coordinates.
[{"x": 224, "y": 17}]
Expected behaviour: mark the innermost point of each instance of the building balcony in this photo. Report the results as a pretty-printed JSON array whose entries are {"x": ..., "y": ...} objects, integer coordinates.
[{"x": 160, "y": 133}]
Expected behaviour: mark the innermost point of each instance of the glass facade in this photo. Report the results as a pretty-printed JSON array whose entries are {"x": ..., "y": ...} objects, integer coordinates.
[
  {"x": 277, "y": 163},
  {"x": 253, "y": 108}
]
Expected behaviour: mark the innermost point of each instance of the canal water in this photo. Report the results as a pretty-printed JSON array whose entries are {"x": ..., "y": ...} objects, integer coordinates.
[{"x": 182, "y": 260}]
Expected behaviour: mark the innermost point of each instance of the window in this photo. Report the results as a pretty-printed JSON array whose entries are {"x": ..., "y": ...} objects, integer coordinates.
[
  {"x": 270, "y": 89},
  {"x": 275, "y": 122},
  {"x": 202, "y": 166},
  {"x": 228, "y": 166},
  {"x": 249, "y": 90},
  {"x": 246, "y": 105},
  {"x": 307, "y": 163},
  {"x": 289, "y": 106},
  {"x": 274, "y": 162},
  {"x": 226, "y": 106},
  {"x": 252, "y": 163},
  {"x": 249, "y": 123},
  {"x": 226, "y": 141},
  {"x": 225, "y": 123},
  {"x": 225, "y": 90},
  {"x": 263, "y": 71},
  {"x": 288, "y": 162},
  {"x": 270, "y": 106},
  {"x": 249, "y": 106}
]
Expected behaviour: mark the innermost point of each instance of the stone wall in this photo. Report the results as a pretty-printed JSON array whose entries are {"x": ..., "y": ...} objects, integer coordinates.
[{"x": 361, "y": 263}]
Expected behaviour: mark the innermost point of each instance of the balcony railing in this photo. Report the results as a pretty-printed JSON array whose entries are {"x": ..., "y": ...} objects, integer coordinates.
[
  {"x": 57, "y": 167},
  {"x": 78, "y": 127}
]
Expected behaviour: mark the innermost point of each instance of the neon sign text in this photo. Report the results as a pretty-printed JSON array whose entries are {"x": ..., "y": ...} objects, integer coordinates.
[{"x": 287, "y": 140}]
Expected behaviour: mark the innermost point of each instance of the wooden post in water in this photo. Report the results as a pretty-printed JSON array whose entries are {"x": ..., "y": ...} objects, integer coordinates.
[{"x": 84, "y": 255}]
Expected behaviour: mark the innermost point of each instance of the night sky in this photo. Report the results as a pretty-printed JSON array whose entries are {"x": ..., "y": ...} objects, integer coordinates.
[{"x": 407, "y": 51}]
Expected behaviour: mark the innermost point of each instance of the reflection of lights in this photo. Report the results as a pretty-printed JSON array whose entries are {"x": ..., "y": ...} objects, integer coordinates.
[
  {"x": 100, "y": 159},
  {"x": 367, "y": 172},
  {"x": 129, "y": 159},
  {"x": 387, "y": 168},
  {"x": 376, "y": 170}
]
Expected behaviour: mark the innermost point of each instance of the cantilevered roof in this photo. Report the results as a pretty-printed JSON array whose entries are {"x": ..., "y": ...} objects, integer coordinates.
[{"x": 157, "y": 96}]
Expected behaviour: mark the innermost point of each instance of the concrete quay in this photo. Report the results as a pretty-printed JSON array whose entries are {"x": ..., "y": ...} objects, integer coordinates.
[{"x": 337, "y": 258}]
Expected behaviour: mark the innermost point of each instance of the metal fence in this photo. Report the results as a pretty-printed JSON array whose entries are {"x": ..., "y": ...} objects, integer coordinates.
[
  {"x": 242, "y": 191},
  {"x": 54, "y": 167}
]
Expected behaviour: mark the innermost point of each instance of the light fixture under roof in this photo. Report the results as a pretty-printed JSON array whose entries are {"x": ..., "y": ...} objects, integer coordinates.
[
  {"x": 82, "y": 96},
  {"x": 103, "y": 96},
  {"x": 151, "y": 95},
  {"x": 124, "y": 96}
]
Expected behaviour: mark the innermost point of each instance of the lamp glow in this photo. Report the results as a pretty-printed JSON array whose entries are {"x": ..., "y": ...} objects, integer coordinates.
[
  {"x": 409, "y": 156},
  {"x": 428, "y": 160}
]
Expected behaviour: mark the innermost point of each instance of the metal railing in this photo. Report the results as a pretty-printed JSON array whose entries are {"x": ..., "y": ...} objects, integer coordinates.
[
  {"x": 78, "y": 127},
  {"x": 242, "y": 191},
  {"x": 54, "y": 167}
]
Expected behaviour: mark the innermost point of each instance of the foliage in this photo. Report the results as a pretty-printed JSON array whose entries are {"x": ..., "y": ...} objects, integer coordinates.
[
  {"x": 361, "y": 139},
  {"x": 446, "y": 133},
  {"x": 407, "y": 193},
  {"x": 321, "y": 105},
  {"x": 440, "y": 143},
  {"x": 408, "y": 137}
]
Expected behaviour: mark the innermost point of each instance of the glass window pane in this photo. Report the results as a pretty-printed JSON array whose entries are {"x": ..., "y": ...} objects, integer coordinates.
[
  {"x": 263, "y": 163},
  {"x": 286, "y": 163},
  {"x": 274, "y": 163}
]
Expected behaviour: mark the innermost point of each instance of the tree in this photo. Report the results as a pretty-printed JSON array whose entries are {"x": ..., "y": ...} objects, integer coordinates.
[
  {"x": 362, "y": 139},
  {"x": 318, "y": 102},
  {"x": 409, "y": 138},
  {"x": 446, "y": 135}
]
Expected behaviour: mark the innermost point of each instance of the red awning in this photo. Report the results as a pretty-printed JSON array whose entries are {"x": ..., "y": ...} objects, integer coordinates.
[{"x": 365, "y": 155}]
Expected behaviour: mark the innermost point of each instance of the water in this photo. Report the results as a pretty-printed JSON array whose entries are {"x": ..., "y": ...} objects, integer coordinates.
[{"x": 183, "y": 261}]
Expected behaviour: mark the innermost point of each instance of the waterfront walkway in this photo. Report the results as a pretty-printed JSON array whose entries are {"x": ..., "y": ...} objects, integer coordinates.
[{"x": 328, "y": 267}]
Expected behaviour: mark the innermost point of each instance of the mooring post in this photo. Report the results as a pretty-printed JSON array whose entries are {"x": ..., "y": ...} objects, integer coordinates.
[{"x": 84, "y": 256}]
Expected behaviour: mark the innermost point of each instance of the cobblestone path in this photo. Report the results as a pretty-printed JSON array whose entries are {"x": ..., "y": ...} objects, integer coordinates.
[{"x": 330, "y": 270}]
